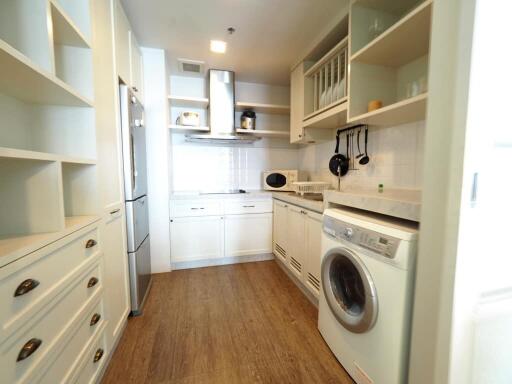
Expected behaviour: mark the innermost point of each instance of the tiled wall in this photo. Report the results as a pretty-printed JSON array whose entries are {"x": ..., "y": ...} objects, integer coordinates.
[
  {"x": 396, "y": 159},
  {"x": 200, "y": 167}
]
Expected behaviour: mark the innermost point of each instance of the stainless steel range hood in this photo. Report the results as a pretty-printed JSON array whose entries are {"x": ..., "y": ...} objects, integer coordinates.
[{"x": 221, "y": 111}]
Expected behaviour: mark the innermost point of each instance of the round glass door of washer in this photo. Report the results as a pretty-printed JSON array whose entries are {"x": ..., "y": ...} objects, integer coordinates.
[{"x": 349, "y": 290}]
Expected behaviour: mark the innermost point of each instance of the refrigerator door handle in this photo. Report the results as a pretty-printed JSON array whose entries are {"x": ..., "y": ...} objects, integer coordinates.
[{"x": 132, "y": 157}]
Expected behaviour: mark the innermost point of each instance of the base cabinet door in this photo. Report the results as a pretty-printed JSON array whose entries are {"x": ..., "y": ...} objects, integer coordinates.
[
  {"x": 197, "y": 238},
  {"x": 296, "y": 238},
  {"x": 313, "y": 252},
  {"x": 280, "y": 232},
  {"x": 248, "y": 235}
]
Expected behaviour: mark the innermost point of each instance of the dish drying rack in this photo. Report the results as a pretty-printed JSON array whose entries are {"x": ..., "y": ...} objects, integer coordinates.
[{"x": 303, "y": 187}]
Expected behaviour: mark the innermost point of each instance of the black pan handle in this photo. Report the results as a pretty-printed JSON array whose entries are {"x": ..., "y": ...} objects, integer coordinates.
[
  {"x": 366, "y": 141},
  {"x": 337, "y": 149}
]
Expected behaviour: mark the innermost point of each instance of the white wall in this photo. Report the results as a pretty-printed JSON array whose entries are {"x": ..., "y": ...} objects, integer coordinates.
[{"x": 396, "y": 158}]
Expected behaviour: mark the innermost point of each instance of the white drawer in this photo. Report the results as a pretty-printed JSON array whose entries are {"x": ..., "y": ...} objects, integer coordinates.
[
  {"x": 243, "y": 207},
  {"x": 47, "y": 330},
  {"x": 94, "y": 359},
  {"x": 50, "y": 270},
  {"x": 68, "y": 360},
  {"x": 194, "y": 208}
]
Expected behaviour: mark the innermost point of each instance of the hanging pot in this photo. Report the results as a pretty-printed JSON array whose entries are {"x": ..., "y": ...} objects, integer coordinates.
[{"x": 339, "y": 164}]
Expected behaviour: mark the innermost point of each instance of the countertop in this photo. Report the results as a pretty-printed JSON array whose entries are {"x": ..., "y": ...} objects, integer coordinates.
[
  {"x": 250, "y": 194},
  {"x": 293, "y": 198},
  {"x": 401, "y": 203}
]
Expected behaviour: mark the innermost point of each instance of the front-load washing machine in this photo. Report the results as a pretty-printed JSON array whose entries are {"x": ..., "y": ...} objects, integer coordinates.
[{"x": 365, "y": 305}]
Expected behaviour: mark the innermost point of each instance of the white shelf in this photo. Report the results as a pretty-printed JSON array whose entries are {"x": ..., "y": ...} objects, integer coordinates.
[
  {"x": 273, "y": 109},
  {"x": 262, "y": 133},
  {"x": 188, "y": 102},
  {"x": 326, "y": 57},
  {"x": 405, "y": 111},
  {"x": 184, "y": 128},
  {"x": 65, "y": 31},
  {"x": 334, "y": 117},
  {"x": 405, "y": 41},
  {"x": 13, "y": 153},
  {"x": 14, "y": 247},
  {"x": 22, "y": 79}
]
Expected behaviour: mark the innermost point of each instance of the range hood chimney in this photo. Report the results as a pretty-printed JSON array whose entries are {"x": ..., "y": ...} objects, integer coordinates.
[{"x": 221, "y": 111}]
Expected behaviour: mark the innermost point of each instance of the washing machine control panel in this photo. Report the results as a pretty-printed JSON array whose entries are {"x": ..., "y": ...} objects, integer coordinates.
[{"x": 376, "y": 242}]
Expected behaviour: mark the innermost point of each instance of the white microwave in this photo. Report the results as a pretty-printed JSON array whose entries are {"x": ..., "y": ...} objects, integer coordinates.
[{"x": 280, "y": 180}]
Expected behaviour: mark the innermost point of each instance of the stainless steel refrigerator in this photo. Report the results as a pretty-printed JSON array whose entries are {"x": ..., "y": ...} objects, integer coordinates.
[{"x": 136, "y": 201}]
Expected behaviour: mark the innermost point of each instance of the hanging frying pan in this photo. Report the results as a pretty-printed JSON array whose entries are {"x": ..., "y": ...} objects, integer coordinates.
[{"x": 338, "y": 161}]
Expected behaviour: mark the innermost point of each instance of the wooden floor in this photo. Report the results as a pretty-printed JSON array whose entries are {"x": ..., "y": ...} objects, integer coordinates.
[{"x": 245, "y": 323}]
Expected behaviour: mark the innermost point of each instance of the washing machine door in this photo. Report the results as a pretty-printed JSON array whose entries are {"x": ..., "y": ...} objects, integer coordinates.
[{"x": 349, "y": 290}]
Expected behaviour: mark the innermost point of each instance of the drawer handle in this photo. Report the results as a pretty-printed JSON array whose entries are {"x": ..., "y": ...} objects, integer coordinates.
[
  {"x": 92, "y": 282},
  {"x": 90, "y": 243},
  {"x": 25, "y": 287},
  {"x": 95, "y": 318},
  {"x": 115, "y": 211},
  {"x": 98, "y": 355},
  {"x": 249, "y": 206},
  {"x": 29, "y": 348},
  {"x": 195, "y": 209}
]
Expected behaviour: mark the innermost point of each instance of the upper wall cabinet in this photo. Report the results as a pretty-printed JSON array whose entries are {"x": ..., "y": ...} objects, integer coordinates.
[
  {"x": 390, "y": 43},
  {"x": 128, "y": 55},
  {"x": 122, "y": 42}
]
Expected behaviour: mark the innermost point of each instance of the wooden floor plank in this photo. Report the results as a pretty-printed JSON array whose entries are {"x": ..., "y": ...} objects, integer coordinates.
[{"x": 244, "y": 323}]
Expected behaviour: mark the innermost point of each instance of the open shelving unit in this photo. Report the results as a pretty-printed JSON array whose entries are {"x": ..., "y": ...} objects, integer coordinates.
[
  {"x": 272, "y": 109},
  {"x": 264, "y": 133},
  {"x": 393, "y": 66},
  {"x": 48, "y": 141},
  {"x": 191, "y": 102}
]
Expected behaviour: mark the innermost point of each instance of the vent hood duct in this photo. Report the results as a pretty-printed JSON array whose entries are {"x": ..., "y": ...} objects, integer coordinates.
[{"x": 221, "y": 111}]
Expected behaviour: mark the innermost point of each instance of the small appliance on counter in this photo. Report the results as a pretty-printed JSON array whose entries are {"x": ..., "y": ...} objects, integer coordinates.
[
  {"x": 189, "y": 119},
  {"x": 280, "y": 180},
  {"x": 248, "y": 120}
]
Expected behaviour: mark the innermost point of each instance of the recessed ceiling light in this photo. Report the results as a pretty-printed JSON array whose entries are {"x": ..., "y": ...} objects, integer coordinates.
[{"x": 218, "y": 46}]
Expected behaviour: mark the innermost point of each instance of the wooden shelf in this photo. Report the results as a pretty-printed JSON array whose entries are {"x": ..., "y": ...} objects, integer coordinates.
[
  {"x": 273, "y": 109},
  {"x": 326, "y": 57},
  {"x": 14, "y": 247},
  {"x": 13, "y": 153},
  {"x": 190, "y": 102},
  {"x": 65, "y": 32},
  {"x": 322, "y": 110},
  {"x": 333, "y": 117},
  {"x": 262, "y": 133},
  {"x": 22, "y": 79},
  {"x": 405, "y": 111},
  {"x": 405, "y": 41},
  {"x": 184, "y": 128}
]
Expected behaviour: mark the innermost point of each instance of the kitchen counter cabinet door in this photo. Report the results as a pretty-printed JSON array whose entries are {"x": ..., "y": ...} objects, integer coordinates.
[
  {"x": 248, "y": 235},
  {"x": 313, "y": 248},
  {"x": 296, "y": 238},
  {"x": 197, "y": 238},
  {"x": 136, "y": 68},
  {"x": 280, "y": 231},
  {"x": 122, "y": 42}
]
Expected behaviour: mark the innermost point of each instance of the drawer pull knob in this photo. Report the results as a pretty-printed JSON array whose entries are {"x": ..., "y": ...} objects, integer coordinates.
[
  {"x": 98, "y": 355},
  {"x": 95, "y": 318},
  {"x": 92, "y": 282},
  {"x": 90, "y": 243},
  {"x": 28, "y": 349},
  {"x": 25, "y": 287}
]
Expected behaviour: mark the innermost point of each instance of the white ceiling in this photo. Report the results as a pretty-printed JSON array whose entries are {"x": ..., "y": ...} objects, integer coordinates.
[{"x": 271, "y": 35}]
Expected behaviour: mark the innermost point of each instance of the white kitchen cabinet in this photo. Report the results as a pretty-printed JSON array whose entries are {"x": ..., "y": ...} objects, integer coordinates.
[
  {"x": 301, "y": 231},
  {"x": 122, "y": 42},
  {"x": 313, "y": 259},
  {"x": 280, "y": 232},
  {"x": 136, "y": 72},
  {"x": 249, "y": 234},
  {"x": 197, "y": 238},
  {"x": 297, "y": 104},
  {"x": 296, "y": 236}
]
